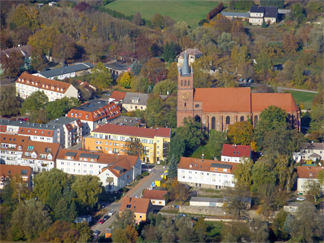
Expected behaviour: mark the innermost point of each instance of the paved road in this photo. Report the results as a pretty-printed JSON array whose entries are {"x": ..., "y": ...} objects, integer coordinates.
[{"x": 145, "y": 183}]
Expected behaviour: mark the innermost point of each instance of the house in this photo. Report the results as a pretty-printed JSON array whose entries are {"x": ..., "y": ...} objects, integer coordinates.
[
  {"x": 206, "y": 173},
  {"x": 292, "y": 207},
  {"x": 208, "y": 107},
  {"x": 192, "y": 54},
  {"x": 94, "y": 113},
  {"x": 236, "y": 15},
  {"x": 114, "y": 171},
  {"x": 117, "y": 96},
  {"x": 113, "y": 139},
  {"x": 156, "y": 197},
  {"x": 306, "y": 175},
  {"x": 27, "y": 84},
  {"x": 141, "y": 207},
  {"x": 206, "y": 202},
  {"x": 116, "y": 68},
  {"x": 235, "y": 153},
  {"x": 24, "y": 51},
  {"x": 259, "y": 14},
  {"x": 8, "y": 171},
  {"x": 310, "y": 151},
  {"x": 11, "y": 148},
  {"x": 137, "y": 101},
  {"x": 70, "y": 71}
]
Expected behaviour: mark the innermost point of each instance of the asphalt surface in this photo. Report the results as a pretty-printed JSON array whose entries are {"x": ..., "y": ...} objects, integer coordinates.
[{"x": 116, "y": 205}]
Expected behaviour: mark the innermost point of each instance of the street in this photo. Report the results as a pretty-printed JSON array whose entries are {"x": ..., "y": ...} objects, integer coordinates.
[{"x": 144, "y": 183}]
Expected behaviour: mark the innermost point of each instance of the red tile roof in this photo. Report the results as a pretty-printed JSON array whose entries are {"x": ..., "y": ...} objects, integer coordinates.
[
  {"x": 261, "y": 101},
  {"x": 19, "y": 141},
  {"x": 43, "y": 83},
  {"x": 42, "y": 148},
  {"x": 308, "y": 171},
  {"x": 202, "y": 165},
  {"x": 134, "y": 131},
  {"x": 14, "y": 169},
  {"x": 154, "y": 194},
  {"x": 35, "y": 132},
  {"x": 232, "y": 150},
  {"x": 137, "y": 205},
  {"x": 118, "y": 95}
]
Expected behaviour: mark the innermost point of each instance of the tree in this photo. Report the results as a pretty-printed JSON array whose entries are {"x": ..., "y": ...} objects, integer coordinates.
[
  {"x": 125, "y": 219},
  {"x": 243, "y": 172},
  {"x": 289, "y": 43},
  {"x": 201, "y": 229},
  {"x": 134, "y": 147},
  {"x": 285, "y": 172},
  {"x": 177, "y": 149},
  {"x": 201, "y": 69},
  {"x": 235, "y": 232},
  {"x": 278, "y": 224},
  {"x": 30, "y": 218},
  {"x": 179, "y": 192},
  {"x": 317, "y": 119},
  {"x": 263, "y": 63},
  {"x": 225, "y": 42},
  {"x": 215, "y": 143},
  {"x": 11, "y": 65},
  {"x": 140, "y": 83},
  {"x": 264, "y": 24},
  {"x": 119, "y": 235},
  {"x": 154, "y": 70},
  {"x": 137, "y": 19},
  {"x": 24, "y": 16},
  {"x": 42, "y": 40},
  {"x": 156, "y": 50},
  {"x": 10, "y": 103},
  {"x": 38, "y": 61},
  {"x": 173, "y": 168},
  {"x": 158, "y": 219},
  {"x": 173, "y": 71},
  {"x": 272, "y": 117},
  {"x": 313, "y": 190},
  {"x": 34, "y": 104},
  {"x": 60, "y": 107},
  {"x": 93, "y": 48},
  {"x": 185, "y": 232},
  {"x": 166, "y": 231},
  {"x": 236, "y": 199},
  {"x": 63, "y": 47},
  {"x": 19, "y": 190},
  {"x": 240, "y": 133},
  {"x": 136, "y": 69},
  {"x": 157, "y": 21},
  {"x": 298, "y": 12},
  {"x": 60, "y": 230},
  {"x": 169, "y": 52},
  {"x": 259, "y": 230},
  {"x": 126, "y": 80},
  {"x": 288, "y": 70},
  {"x": 101, "y": 77},
  {"x": 262, "y": 174},
  {"x": 225, "y": 79},
  {"x": 165, "y": 87},
  {"x": 307, "y": 225}
]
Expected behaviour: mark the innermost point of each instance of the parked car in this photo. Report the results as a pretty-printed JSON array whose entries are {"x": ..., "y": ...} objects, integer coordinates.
[
  {"x": 101, "y": 221},
  {"x": 21, "y": 119},
  {"x": 105, "y": 217},
  {"x": 111, "y": 213},
  {"x": 241, "y": 79},
  {"x": 250, "y": 81},
  {"x": 26, "y": 119},
  {"x": 300, "y": 199},
  {"x": 97, "y": 232}
]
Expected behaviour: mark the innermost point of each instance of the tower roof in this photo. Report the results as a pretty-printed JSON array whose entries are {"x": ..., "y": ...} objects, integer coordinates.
[{"x": 185, "y": 66}]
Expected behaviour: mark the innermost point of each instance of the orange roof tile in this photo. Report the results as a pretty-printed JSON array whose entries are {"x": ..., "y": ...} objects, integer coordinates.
[
  {"x": 224, "y": 99},
  {"x": 308, "y": 171},
  {"x": 232, "y": 150},
  {"x": 19, "y": 141},
  {"x": 38, "y": 132},
  {"x": 154, "y": 194},
  {"x": 43, "y": 83},
  {"x": 202, "y": 165},
  {"x": 14, "y": 169},
  {"x": 261, "y": 101},
  {"x": 42, "y": 148},
  {"x": 137, "y": 205},
  {"x": 134, "y": 131},
  {"x": 118, "y": 95}
]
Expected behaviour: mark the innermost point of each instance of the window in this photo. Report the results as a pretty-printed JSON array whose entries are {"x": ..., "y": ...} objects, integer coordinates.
[
  {"x": 213, "y": 123},
  {"x": 181, "y": 82},
  {"x": 242, "y": 118},
  {"x": 30, "y": 148},
  {"x": 185, "y": 83},
  {"x": 255, "y": 119},
  {"x": 188, "y": 82},
  {"x": 228, "y": 120}
]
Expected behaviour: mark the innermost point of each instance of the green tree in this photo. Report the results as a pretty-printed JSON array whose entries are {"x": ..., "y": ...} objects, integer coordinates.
[
  {"x": 278, "y": 224},
  {"x": 313, "y": 190},
  {"x": 243, "y": 172},
  {"x": 201, "y": 229},
  {"x": 288, "y": 70},
  {"x": 125, "y": 219},
  {"x": 226, "y": 79},
  {"x": 126, "y": 80},
  {"x": 235, "y": 232},
  {"x": 173, "y": 168},
  {"x": 185, "y": 232},
  {"x": 60, "y": 107},
  {"x": 140, "y": 83},
  {"x": 169, "y": 52},
  {"x": 43, "y": 40},
  {"x": 10, "y": 103},
  {"x": 165, "y": 87},
  {"x": 34, "y": 105},
  {"x": 157, "y": 21},
  {"x": 158, "y": 219},
  {"x": 262, "y": 174},
  {"x": 263, "y": 63},
  {"x": 173, "y": 71},
  {"x": 317, "y": 119},
  {"x": 24, "y": 16},
  {"x": 285, "y": 172},
  {"x": 136, "y": 68},
  {"x": 177, "y": 148},
  {"x": 298, "y": 12},
  {"x": 264, "y": 24},
  {"x": 215, "y": 143},
  {"x": 101, "y": 77},
  {"x": 240, "y": 133}
]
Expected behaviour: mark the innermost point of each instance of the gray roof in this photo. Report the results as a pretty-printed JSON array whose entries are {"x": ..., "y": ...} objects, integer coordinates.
[
  {"x": 142, "y": 98},
  {"x": 268, "y": 11},
  {"x": 92, "y": 105},
  {"x": 70, "y": 154},
  {"x": 30, "y": 125},
  {"x": 235, "y": 14},
  {"x": 62, "y": 120},
  {"x": 118, "y": 168},
  {"x": 125, "y": 120},
  {"x": 224, "y": 166},
  {"x": 319, "y": 146},
  {"x": 206, "y": 199},
  {"x": 90, "y": 156},
  {"x": 118, "y": 66},
  {"x": 68, "y": 69},
  {"x": 185, "y": 66},
  {"x": 314, "y": 155}
]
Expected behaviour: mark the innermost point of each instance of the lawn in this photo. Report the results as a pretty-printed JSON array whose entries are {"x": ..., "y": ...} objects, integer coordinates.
[
  {"x": 304, "y": 97},
  {"x": 201, "y": 150},
  {"x": 180, "y": 10},
  {"x": 214, "y": 230}
]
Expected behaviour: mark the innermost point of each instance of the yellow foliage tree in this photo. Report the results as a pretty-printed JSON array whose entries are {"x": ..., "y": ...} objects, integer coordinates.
[
  {"x": 43, "y": 39},
  {"x": 240, "y": 133},
  {"x": 126, "y": 80}
]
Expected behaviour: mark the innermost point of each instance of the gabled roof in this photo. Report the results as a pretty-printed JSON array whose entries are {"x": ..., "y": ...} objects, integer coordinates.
[
  {"x": 267, "y": 11},
  {"x": 7, "y": 142},
  {"x": 314, "y": 155},
  {"x": 257, "y": 9},
  {"x": 65, "y": 70},
  {"x": 235, "y": 14},
  {"x": 24, "y": 51},
  {"x": 117, "y": 95},
  {"x": 154, "y": 194},
  {"x": 223, "y": 166},
  {"x": 43, "y": 83},
  {"x": 142, "y": 98},
  {"x": 191, "y": 51},
  {"x": 137, "y": 205},
  {"x": 41, "y": 148},
  {"x": 118, "y": 66},
  {"x": 12, "y": 170},
  {"x": 232, "y": 150},
  {"x": 317, "y": 146},
  {"x": 133, "y": 131},
  {"x": 202, "y": 164},
  {"x": 261, "y": 101},
  {"x": 308, "y": 171}
]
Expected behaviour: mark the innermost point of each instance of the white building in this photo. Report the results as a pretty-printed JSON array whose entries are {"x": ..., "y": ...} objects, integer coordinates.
[
  {"x": 235, "y": 153},
  {"x": 27, "y": 84},
  {"x": 206, "y": 173},
  {"x": 307, "y": 175},
  {"x": 156, "y": 197},
  {"x": 310, "y": 151},
  {"x": 114, "y": 171},
  {"x": 9, "y": 171}
]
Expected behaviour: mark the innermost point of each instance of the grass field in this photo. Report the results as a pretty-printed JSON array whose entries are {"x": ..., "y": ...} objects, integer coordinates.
[
  {"x": 190, "y": 11},
  {"x": 304, "y": 97}
]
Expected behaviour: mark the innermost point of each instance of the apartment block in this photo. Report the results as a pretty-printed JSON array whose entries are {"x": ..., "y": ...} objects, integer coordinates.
[
  {"x": 235, "y": 153},
  {"x": 7, "y": 172},
  {"x": 114, "y": 139}
]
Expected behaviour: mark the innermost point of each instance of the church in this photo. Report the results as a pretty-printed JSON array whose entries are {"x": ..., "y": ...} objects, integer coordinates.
[{"x": 217, "y": 108}]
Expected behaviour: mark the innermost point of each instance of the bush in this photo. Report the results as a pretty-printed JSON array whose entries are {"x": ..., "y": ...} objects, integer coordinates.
[
  {"x": 201, "y": 22},
  {"x": 145, "y": 173},
  {"x": 138, "y": 177},
  {"x": 215, "y": 11}
]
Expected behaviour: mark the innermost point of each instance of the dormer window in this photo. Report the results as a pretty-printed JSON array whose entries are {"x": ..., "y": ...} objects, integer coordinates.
[
  {"x": 58, "y": 89},
  {"x": 61, "y": 89},
  {"x": 43, "y": 85},
  {"x": 47, "y": 86},
  {"x": 311, "y": 174},
  {"x": 19, "y": 148},
  {"x": 49, "y": 156},
  {"x": 32, "y": 82},
  {"x": 72, "y": 114}
]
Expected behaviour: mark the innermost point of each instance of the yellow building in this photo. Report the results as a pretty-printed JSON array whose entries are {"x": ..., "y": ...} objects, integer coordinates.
[
  {"x": 141, "y": 207},
  {"x": 114, "y": 139}
]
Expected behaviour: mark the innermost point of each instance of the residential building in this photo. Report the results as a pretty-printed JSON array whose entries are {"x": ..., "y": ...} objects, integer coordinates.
[
  {"x": 192, "y": 54},
  {"x": 126, "y": 121},
  {"x": 137, "y": 101},
  {"x": 27, "y": 84},
  {"x": 156, "y": 196},
  {"x": 141, "y": 207},
  {"x": 206, "y": 173},
  {"x": 310, "y": 151},
  {"x": 117, "y": 68},
  {"x": 24, "y": 51},
  {"x": 259, "y": 14},
  {"x": 117, "y": 96},
  {"x": 114, "y": 171},
  {"x": 306, "y": 175},
  {"x": 207, "y": 106},
  {"x": 206, "y": 202},
  {"x": 8, "y": 171},
  {"x": 94, "y": 113},
  {"x": 235, "y": 153},
  {"x": 11, "y": 148},
  {"x": 113, "y": 139},
  {"x": 70, "y": 71},
  {"x": 236, "y": 15}
]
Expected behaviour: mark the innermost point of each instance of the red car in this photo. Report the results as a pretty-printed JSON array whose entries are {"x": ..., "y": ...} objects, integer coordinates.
[
  {"x": 26, "y": 119},
  {"x": 101, "y": 221}
]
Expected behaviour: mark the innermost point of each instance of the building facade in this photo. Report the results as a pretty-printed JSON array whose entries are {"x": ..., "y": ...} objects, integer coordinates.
[
  {"x": 235, "y": 153},
  {"x": 307, "y": 175},
  {"x": 310, "y": 151},
  {"x": 114, "y": 139},
  {"x": 217, "y": 108},
  {"x": 193, "y": 54},
  {"x": 156, "y": 196},
  {"x": 206, "y": 173},
  {"x": 26, "y": 84},
  {"x": 141, "y": 207},
  {"x": 136, "y": 101},
  {"x": 259, "y": 14},
  {"x": 8, "y": 172}
]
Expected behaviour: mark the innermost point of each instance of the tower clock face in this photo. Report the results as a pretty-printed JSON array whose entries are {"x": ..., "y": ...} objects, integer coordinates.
[{"x": 185, "y": 96}]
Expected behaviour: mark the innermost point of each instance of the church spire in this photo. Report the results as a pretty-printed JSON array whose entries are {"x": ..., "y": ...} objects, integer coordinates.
[{"x": 185, "y": 66}]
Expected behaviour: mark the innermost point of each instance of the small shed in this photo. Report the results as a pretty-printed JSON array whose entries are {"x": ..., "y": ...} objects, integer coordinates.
[{"x": 206, "y": 201}]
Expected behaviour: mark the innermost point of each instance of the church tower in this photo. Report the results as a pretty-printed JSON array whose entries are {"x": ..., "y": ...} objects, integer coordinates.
[{"x": 185, "y": 105}]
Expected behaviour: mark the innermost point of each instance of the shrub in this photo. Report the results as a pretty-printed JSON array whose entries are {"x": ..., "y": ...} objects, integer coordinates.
[
  {"x": 138, "y": 177},
  {"x": 215, "y": 11},
  {"x": 145, "y": 173}
]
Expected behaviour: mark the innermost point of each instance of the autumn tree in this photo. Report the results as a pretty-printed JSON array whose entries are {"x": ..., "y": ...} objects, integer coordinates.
[
  {"x": 125, "y": 219},
  {"x": 201, "y": 69},
  {"x": 134, "y": 146},
  {"x": 243, "y": 172},
  {"x": 137, "y": 19},
  {"x": 60, "y": 230},
  {"x": 240, "y": 133},
  {"x": 289, "y": 43},
  {"x": 11, "y": 65},
  {"x": 140, "y": 83},
  {"x": 63, "y": 48},
  {"x": 125, "y": 235},
  {"x": 21, "y": 35},
  {"x": 165, "y": 87},
  {"x": 263, "y": 63},
  {"x": 94, "y": 47},
  {"x": 226, "y": 79},
  {"x": 154, "y": 70},
  {"x": 173, "y": 71},
  {"x": 10, "y": 103},
  {"x": 126, "y": 80},
  {"x": 101, "y": 77},
  {"x": 43, "y": 40},
  {"x": 24, "y": 16},
  {"x": 157, "y": 21},
  {"x": 235, "y": 232},
  {"x": 38, "y": 62},
  {"x": 19, "y": 190}
]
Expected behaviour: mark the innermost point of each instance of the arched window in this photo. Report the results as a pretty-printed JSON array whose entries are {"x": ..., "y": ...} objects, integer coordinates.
[
  {"x": 181, "y": 82},
  {"x": 185, "y": 82},
  {"x": 242, "y": 118},
  {"x": 188, "y": 82},
  {"x": 197, "y": 118},
  {"x": 255, "y": 119},
  {"x": 213, "y": 123},
  {"x": 228, "y": 120},
  {"x": 185, "y": 104}
]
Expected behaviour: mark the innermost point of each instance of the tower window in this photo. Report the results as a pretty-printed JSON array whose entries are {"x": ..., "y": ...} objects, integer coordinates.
[
  {"x": 185, "y": 104},
  {"x": 185, "y": 83},
  {"x": 188, "y": 82},
  {"x": 181, "y": 82},
  {"x": 213, "y": 123}
]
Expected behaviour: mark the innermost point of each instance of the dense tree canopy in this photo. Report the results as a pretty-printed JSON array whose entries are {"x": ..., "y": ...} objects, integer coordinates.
[
  {"x": 101, "y": 77},
  {"x": 10, "y": 103}
]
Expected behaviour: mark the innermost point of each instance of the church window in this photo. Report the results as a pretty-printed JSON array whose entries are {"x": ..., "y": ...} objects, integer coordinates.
[
  {"x": 185, "y": 104},
  {"x": 255, "y": 119},
  {"x": 228, "y": 120},
  {"x": 181, "y": 82},
  {"x": 185, "y": 82},
  {"x": 242, "y": 118},
  {"x": 213, "y": 123},
  {"x": 197, "y": 105},
  {"x": 188, "y": 82}
]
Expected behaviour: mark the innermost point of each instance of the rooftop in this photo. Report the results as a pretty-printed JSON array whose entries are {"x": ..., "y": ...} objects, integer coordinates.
[
  {"x": 308, "y": 171},
  {"x": 30, "y": 125},
  {"x": 138, "y": 205},
  {"x": 92, "y": 105},
  {"x": 142, "y": 98},
  {"x": 12, "y": 170},
  {"x": 118, "y": 66},
  {"x": 191, "y": 51},
  {"x": 315, "y": 146},
  {"x": 125, "y": 120},
  {"x": 232, "y": 150},
  {"x": 235, "y": 14},
  {"x": 117, "y": 95},
  {"x": 206, "y": 199},
  {"x": 67, "y": 69},
  {"x": 154, "y": 194},
  {"x": 62, "y": 120},
  {"x": 205, "y": 164}
]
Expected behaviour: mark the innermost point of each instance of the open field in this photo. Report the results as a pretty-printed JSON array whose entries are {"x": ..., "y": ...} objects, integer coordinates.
[
  {"x": 190, "y": 11},
  {"x": 304, "y": 97}
]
